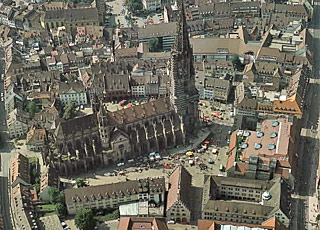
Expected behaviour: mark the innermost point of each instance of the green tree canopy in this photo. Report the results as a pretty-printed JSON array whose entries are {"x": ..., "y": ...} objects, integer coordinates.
[
  {"x": 56, "y": 196},
  {"x": 80, "y": 182},
  {"x": 32, "y": 108},
  {"x": 236, "y": 61},
  {"x": 69, "y": 111},
  {"x": 61, "y": 209},
  {"x": 154, "y": 44},
  {"x": 84, "y": 219},
  {"x": 134, "y": 5}
]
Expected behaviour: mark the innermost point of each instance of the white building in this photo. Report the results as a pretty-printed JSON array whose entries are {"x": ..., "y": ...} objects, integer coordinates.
[
  {"x": 138, "y": 87},
  {"x": 73, "y": 91},
  {"x": 151, "y": 5}
]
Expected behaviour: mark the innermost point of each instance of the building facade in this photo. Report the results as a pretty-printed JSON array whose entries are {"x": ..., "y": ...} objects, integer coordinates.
[
  {"x": 151, "y": 5},
  {"x": 72, "y": 92}
]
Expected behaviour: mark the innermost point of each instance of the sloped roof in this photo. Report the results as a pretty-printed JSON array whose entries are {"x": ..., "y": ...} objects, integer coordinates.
[
  {"x": 35, "y": 136},
  {"x": 75, "y": 14},
  {"x": 277, "y": 187},
  {"x": 138, "y": 112},
  {"x": 180, "y": 183},
  {"x": 78, "y": 124},
  {"x": 67, "y": 87},
  {"x": 20, "y": 168},
  {"x": 290, "y": 106}
]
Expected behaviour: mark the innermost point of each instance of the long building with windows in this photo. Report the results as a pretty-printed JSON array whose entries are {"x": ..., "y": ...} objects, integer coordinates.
[{"x": 113, "y": 195}]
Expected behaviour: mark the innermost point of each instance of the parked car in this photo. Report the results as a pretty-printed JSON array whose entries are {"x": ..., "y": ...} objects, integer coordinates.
[
  {"x": 120, "y": 164},
  {"x": 158, "y": 156}
]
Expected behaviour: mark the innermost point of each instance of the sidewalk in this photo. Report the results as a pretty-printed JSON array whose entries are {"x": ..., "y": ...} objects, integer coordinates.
[{"x": 313, "y": 210}]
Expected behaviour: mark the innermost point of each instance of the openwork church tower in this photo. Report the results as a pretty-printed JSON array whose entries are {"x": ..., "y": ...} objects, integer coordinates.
[{"x": 183, "y": 93}]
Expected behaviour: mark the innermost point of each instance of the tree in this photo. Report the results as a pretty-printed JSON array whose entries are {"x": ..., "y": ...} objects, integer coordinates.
[
  {"x": 32, "y": 108},
  {"x": 80, "y": 182},
  {"x": 236, "y": 61},
  {"x": 129, "y": 19},
  {"x": 318, "y": 217},
  {"x": 73, "y": 78},
  {"x": 61, "y": 209},
  {"x": 154, "y": 44},
  {"x": 84, "y": 219},
  {"x": 69, "y": 111},
  {"x": 56, "y": 196},
  {"x": 134, "y": 5}
]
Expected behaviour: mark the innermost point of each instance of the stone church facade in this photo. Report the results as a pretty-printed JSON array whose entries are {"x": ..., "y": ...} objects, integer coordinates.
[{"x": 104, "y": 137}]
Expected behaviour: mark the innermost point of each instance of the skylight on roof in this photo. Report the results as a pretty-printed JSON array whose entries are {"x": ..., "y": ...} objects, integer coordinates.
[
  {"x": 275, "y": 123},
  {"x": 246, "y": 133},
  {"x": 257, "y": 146},
  {"x": 244, "y": 145},
  {"x": 260, "y": 134},
  {"x": 273, "y": 134},
  {"x": 271, "y": 147}
]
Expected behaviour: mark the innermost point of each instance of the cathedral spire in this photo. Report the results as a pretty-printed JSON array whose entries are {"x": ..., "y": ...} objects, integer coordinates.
[
  {"x": 182, "y": 92},
  {"x": 182, "y": 40}
]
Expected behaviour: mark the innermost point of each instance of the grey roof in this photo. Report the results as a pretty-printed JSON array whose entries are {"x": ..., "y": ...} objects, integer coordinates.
[
  {"x": 296, "y": 9},
  {"x": 158, "y": 30},
  {"x": 106, "y": 191},
  {"x": 84, "y": 14},
  {"x": 117, "y": 83},
  {"x": 217, "y": 83},
  {"x": 79, "y": 124},
  {"x": 277, "y": 187},
  {"x": 75, "y": 86}
]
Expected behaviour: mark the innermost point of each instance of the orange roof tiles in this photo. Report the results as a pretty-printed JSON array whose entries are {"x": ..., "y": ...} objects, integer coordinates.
[
  {"x": 20, "y": 168},
  {"x": 291, "y": 106},
  {"x": 179, "y": 182},
  {"x": 233, "y": 149}
]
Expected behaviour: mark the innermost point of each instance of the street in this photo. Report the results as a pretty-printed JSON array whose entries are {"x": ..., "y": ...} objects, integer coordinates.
[
  {"x": 305, "y": 186},
  {"x": 5, "y": 158}
]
